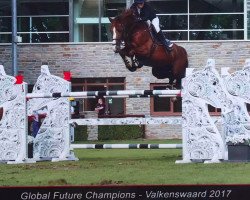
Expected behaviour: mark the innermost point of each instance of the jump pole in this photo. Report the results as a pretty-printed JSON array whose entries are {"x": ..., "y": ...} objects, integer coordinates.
[
  {"x": 118, "y": 93},
  {"x": 128, "y": 96},
  {"x": 126, "y": 146}
]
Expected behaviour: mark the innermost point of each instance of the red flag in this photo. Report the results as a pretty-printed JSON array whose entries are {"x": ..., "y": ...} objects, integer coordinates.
[
  {"x": 67, "y": 75},
  {"x": 19, "y": 79}
]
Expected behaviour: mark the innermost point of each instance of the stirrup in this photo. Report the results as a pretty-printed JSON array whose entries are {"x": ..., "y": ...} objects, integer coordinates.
[
  {"x": 169, "y": 48},
  {"x": 168, "y": 45}
]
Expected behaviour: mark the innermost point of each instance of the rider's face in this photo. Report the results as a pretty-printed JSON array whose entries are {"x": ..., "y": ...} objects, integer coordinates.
[{"x": 140, "y": 5}]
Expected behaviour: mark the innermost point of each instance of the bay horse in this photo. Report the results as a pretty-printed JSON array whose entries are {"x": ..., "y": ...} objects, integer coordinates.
[{"x": 135, "y": 42}]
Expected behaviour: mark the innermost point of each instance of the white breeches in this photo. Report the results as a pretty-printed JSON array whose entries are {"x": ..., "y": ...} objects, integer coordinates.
[{"x": 156, "y": 24}]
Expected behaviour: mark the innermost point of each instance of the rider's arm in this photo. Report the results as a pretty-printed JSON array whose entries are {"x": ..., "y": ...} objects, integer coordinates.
[
  {"x": 134, "y": 8},
  {"x": 150, "y": 12}
]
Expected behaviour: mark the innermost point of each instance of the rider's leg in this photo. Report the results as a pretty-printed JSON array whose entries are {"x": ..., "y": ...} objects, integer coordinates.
[{"x": 167, "y": 43}]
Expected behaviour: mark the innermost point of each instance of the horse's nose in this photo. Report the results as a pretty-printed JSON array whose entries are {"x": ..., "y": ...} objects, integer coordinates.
[{"x": 116, "y": 48}]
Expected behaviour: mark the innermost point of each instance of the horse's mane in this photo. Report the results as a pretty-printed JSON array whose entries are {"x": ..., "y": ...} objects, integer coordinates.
[
  {"x": 127, "y": 12},
  {"x": 126, "y": 16}
]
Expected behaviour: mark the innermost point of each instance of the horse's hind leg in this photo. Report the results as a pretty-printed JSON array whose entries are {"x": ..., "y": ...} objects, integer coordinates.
[
  {"x": 179, "y": 71},
  {"x": 171, "y": 79},
  {"x": 179, "y": 78},
  {"x": 178, "y": 83}
]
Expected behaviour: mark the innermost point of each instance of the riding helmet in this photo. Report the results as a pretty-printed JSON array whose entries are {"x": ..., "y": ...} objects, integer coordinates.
[{"x": 139, "y": 1}]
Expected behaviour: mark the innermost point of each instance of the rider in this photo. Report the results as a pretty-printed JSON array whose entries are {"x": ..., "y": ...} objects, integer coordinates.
[{"x": 143, "y": 11}]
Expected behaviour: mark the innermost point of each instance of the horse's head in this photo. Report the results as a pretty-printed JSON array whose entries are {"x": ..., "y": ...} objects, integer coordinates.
[{"x": 118, "y": 27}]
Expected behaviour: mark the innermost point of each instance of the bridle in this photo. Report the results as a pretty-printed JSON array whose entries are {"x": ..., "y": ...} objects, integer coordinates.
[
  {"x": 118, "y": 41},
  {"x": 124, "y": 33}
]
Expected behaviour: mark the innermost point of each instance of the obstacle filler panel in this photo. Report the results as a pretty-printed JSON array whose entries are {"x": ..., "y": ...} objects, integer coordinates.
[
  {"x": 201, "y": 138},
  {"x": 238, "y": 85},
  {"x": 237, "y": 130},
  {"x": 13, "y": 123},
  {"x": 52, "y": 141}
]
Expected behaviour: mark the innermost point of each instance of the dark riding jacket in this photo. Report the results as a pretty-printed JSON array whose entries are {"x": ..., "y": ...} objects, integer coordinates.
[{"x": 146, "y": 13}]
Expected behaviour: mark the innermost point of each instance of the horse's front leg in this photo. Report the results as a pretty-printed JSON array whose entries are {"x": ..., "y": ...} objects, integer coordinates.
[
  {"x": 136, "y": 63},
  {"x": 127, "y": 60}
]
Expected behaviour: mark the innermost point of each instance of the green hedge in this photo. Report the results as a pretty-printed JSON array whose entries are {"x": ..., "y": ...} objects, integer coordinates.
[
  {"x": 114, "y": 132},
  {"x": 81, "y": 133},
  {"x": 117, "y": 132}
]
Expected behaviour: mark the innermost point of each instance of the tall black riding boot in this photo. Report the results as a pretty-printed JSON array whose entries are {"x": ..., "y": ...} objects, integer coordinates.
[{"x": 166, "y": 43}]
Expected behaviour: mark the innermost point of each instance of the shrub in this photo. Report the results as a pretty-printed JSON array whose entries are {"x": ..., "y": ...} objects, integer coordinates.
[
  {"x": 81, "y": 133},
  {"x": 117, "y": 132},
  {"x": 112, "y": 132}
]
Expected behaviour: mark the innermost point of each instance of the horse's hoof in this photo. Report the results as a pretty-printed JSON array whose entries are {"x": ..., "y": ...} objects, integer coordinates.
[
  {"x": 132, "y": 69},
  {"x": 140, "y": 65},
  {"x": 137, "y": 65}
]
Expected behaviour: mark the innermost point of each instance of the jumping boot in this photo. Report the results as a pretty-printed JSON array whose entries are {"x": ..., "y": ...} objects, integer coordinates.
[{"x": 166, "y": 43}]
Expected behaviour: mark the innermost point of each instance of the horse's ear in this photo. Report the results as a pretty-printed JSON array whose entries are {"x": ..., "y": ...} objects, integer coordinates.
[{"x": 111, "y": 19}]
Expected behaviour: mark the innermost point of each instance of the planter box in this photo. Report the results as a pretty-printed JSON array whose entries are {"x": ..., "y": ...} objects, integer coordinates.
[{"x": 239, "y": 152}]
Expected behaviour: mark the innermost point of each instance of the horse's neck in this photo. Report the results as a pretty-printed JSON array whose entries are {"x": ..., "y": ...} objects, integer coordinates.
[
  {"x": 139, "y": 35},
  {"x": 130, "y": 25},
  {"x": 135, "y": 27}
]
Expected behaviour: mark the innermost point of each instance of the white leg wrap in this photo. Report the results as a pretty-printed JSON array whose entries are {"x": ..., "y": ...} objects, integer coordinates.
[{"x": 156, "y": 23}]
